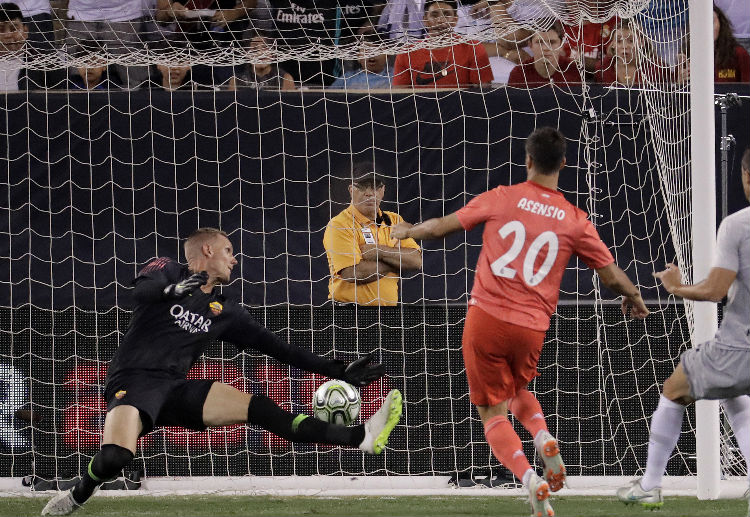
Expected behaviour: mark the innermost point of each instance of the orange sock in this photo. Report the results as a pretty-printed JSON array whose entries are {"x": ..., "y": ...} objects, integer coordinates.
[
  {"x": 506, "y": 445},
  {"x": 527, "y": 410}
]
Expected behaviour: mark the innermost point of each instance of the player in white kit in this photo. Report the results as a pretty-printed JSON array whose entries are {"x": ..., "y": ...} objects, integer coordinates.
[{"x": 716, "y": 369}]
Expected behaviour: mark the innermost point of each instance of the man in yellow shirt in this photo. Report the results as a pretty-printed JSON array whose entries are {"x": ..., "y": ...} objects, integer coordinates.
[{"x": 364, "y": 261}]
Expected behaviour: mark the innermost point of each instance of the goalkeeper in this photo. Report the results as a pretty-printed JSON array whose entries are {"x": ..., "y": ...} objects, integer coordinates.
[{"x": 178, "y": 312}]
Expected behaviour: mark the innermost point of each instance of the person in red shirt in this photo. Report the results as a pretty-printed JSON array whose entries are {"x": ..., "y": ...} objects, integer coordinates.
[
  {"x": 457, "y": 65},
  {"x": 624, "y": 64},
  {"x": 589, "y": 41},
  {"x": 549, "y": 64},
  {"x": 530, "y": 233},
  {"x": 731, "y": 60}
]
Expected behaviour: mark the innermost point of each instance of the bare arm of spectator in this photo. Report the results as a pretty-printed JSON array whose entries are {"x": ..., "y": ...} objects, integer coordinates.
[
  {"x": 502, "y": 22},
  {"x": 287, "y": 82},
  {"x": 241, "y": 9},
  {"x": 508, "y": 49},
  {"x": 168, "y": 11}
]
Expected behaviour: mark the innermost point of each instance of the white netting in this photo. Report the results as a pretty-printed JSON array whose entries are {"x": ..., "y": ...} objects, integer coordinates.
[{"x": 98, "y": 183}]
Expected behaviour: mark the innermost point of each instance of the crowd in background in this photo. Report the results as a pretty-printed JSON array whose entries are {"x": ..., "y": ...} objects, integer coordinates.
[{"x": 97, "y": 33}]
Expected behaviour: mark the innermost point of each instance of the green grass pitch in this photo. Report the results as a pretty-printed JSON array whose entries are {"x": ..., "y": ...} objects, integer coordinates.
[{"x": 190, "y": 506}]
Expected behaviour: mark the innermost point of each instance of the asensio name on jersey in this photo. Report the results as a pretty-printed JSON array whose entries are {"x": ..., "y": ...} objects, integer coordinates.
[{"x": 541, "y": 209}]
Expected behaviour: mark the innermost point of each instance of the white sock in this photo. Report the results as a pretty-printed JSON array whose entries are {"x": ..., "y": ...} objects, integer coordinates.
[
  {"x": 738, "y": 412},
  {"x": 527, "y": 477},
  {"x": 665, "y": 431}
]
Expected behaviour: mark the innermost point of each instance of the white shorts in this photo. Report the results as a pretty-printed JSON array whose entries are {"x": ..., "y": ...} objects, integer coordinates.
[{"x": 716, "y": 371}]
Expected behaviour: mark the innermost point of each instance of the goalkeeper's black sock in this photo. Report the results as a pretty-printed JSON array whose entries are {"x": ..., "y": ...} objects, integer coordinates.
[
  {"x": 105, "y": 465},
  {"x": 264, "y": 412}
]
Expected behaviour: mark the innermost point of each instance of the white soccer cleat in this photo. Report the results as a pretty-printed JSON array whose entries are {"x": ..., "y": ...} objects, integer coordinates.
[
  {"x": 633, "y": 493},
  {"x": 554, "y": 468},
  {"x": 378, "y": 428},
  {"x": 62, "y": 504},
  {"x": 539, "y": 497}
]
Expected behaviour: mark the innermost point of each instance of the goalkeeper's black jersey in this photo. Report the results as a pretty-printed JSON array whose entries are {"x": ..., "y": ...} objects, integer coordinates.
[{"x": 166, "y": 337}]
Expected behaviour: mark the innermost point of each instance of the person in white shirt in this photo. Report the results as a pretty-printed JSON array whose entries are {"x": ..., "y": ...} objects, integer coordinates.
[
  {"x": 37, "y": 15},
  {"x": 13, "y": 35},
  {"x": 405, "y": 18},
  {"x": 114, "y": 25}
]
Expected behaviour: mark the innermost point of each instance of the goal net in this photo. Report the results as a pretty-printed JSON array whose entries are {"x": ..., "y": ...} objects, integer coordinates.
[{"x": 100, "y": 175}]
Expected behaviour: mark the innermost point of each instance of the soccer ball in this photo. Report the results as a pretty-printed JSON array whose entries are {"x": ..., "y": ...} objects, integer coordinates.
[{"x": 336, "y": 402}]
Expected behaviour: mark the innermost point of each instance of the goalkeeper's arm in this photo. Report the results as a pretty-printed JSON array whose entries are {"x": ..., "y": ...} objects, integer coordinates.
[
  {"x": 152, "y": 290},
  {"x": 247, "y": 333}
]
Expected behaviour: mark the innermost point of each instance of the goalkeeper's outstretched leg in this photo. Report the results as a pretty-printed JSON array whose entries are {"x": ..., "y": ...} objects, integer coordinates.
[{"x": 222, "y": 405}]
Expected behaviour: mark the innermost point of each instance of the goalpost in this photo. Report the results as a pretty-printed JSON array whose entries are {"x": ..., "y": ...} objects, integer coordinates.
[
  {"x": 703, "y": 231},
  {"x": 96, "y": 183}
]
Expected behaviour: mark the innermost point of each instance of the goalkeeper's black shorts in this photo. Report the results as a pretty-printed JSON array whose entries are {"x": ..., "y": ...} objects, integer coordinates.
[{"x": 160, "y": 401}]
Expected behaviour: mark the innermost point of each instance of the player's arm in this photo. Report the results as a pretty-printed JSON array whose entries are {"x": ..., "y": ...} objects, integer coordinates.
[
  {"x": 160, "y": 280},
  {"x": 615, "y": 278},
  {"x": 247, "y": 333},
  {"x": 430, "y": 229},
  {"x": 397, "y": 257},
  {"x": 711, "y": 289}
]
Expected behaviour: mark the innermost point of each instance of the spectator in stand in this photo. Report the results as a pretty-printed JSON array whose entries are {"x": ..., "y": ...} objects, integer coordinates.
[
  {"x": 373, "y": 73},
  {"x": 171, "y": 77},
  {"x": 14, "y": 75},
  {"x": 261, "y": 76},
  {"x": 664, "y": 24},
  {"x": 405, "y": 18},
  {"x": 549, "y": 64},
  {"x": 37, "y": 15},
  {"x": 110, "y": 25},
  {"x": 457, "y": 65},
  {"x": 511, "y": 49},
  {"x": 623, "y": 64},
  {"x": 738, "y": 13},
  {"x": 13, "y": 36},
  {"x": 94, "y": 77},
  {"x": 731, "y": 61},
  {"x": 324, "y": 23},
  {"x": 206, "y": 23},
  {"x": 589, "y": 41}
]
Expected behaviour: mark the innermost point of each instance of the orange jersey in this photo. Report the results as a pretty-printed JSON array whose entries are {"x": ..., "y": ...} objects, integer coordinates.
[{"x": 530, "y": 232}]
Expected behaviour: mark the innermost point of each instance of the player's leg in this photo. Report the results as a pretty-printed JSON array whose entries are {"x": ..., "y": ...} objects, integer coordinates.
[
  {"x": 122, "y": 427},
  {"x": 488, "y": 347},
  {"x": 507, "y": 448},
  {"x": 738, "y": 412},
  {"x": 504, "y": 441},
  {"x": 225, "y": 405},
  {"x": 527, "y": 410},
  {"x": 666, "y": 423}
]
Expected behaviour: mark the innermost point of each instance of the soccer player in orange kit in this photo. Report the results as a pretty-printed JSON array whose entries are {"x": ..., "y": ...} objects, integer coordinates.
[{"x": 530, "y": 233}]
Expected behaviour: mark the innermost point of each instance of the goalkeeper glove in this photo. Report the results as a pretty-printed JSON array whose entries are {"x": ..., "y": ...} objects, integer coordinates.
[
  {"x": 185, "y": 287},
  {"x": 360, "y": 373}
]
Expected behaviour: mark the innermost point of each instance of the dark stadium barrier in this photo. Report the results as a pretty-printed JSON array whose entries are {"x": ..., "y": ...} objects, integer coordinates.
[{"x": 595, "y": 388}]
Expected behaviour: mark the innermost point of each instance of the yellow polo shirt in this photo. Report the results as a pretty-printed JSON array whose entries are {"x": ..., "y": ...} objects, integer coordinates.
[{"x": 343, "y": 239}]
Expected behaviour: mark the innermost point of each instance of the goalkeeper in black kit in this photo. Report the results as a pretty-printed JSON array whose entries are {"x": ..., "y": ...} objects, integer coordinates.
[{"x": 178, "y": 312}]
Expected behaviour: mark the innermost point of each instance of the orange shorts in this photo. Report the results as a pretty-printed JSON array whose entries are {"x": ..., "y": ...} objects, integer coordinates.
[{"x": 500, "y": 357}]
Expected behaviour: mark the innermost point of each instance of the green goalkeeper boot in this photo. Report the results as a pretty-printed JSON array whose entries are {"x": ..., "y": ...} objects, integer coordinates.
[{"x": 378, "y": 428}]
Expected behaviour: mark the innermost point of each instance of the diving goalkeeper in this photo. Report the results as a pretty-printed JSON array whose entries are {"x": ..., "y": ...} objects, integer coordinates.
[{"x": 178, "y": 312}]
